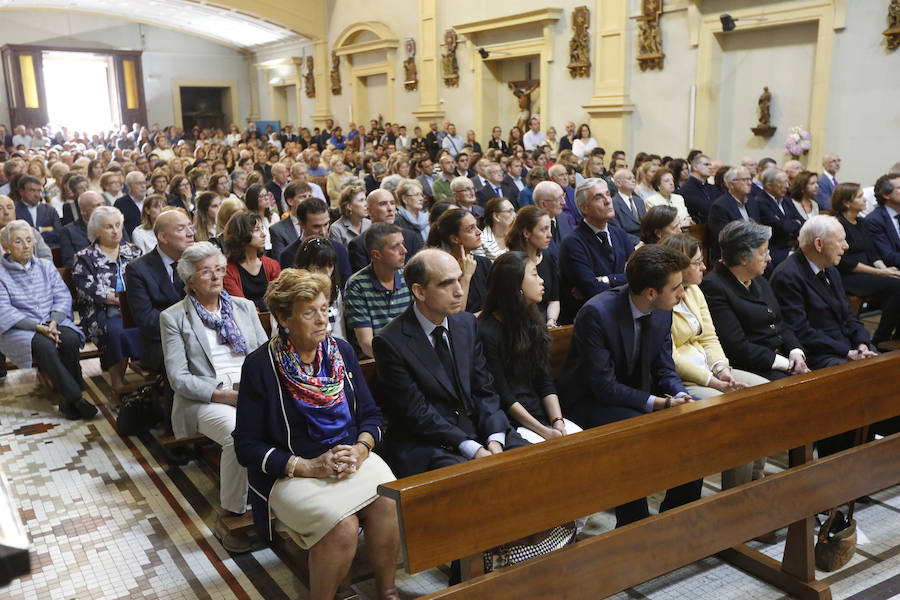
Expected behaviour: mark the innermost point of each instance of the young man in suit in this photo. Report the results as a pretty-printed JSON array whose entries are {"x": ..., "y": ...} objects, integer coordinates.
[
  {"x": 620, "y": 360},
  {"x": 39, "y": 215},
  {"x": 592, "y": 258},
  {"x": 831, "y": 164},
  {"x": 312, "y": 215},
  {"x": 442, "y": 405},
  {"x": 882, "y": 223},
  {"x": 154, "y": 285},
  {"x": 286, "y": 231}
]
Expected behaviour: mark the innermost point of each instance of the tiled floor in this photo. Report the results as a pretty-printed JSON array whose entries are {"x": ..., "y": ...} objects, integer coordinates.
[{"x": 108, "y": 519}]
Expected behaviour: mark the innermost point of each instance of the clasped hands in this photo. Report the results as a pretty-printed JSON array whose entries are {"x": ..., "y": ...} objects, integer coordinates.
[
  {"x": 50, "y": 331},
  {"x": 340, "y": 462},
  {"x": 860, "y": 352},
  {"x": 493, "y": 447}
]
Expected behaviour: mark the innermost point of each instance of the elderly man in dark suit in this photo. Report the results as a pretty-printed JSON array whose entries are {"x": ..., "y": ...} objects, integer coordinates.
[
  {"x": 438, "y": 390},
  {"x": 698, "y": 194},
  {"x": 736, "y": 205},
  {"x": 132, "y": 201},
  {"x": 620, "y": 360},
  {"x": 883, "y": 223},
  {"x": 39, "y": 215},
  {"x": 628, "y": 204},
  {"x": 497, "y": 187},
  {"x": 592, "y": 258},
  {"x": 831, "y": 164},
  {"x": 381, "y": 210},
  {"x": 73, "y": 237},
  {"x": 550, "y": 197},
  {"x": 777, "y": 210},
  {"x": 153, "y": 283}
]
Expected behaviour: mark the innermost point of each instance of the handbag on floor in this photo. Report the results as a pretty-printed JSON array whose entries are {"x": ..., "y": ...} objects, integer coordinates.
[
  {"x": 837, "y": 540},
  {"x": 139, "y": 410}
]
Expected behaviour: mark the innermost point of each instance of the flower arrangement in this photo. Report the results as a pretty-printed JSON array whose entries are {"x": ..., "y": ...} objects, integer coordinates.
[{"x": 797, "y": 142}]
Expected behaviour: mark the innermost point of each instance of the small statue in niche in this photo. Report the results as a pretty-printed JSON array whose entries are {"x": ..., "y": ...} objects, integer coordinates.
[
  {"x": 892, "y": 33},
  {"x": 579, "y": 48},
  {"x": 411, "y": 75},
  {"x": 310, "y": 78},
  {"x": 448, "y": 60},
  {"x": 764, "y": 127},
  {"x": 650, "y": 53},
  {"x": 335, "y": 74}
]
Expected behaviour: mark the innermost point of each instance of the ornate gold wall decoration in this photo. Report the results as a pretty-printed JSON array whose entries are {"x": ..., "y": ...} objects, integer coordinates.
[
  {"x": 335, "y": 74},
  {"x": 411, "y": 75},
  {"x": 448, "y": 60},
  {"x": 650, "y": 54},
  {"x": 892, "y": 33},
  {"x": 309, "y": 79},
  {"x": 579, "y": 45}
]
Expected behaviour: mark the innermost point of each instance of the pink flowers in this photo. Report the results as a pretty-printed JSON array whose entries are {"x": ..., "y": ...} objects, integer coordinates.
[{"x": 797, "y": 142}]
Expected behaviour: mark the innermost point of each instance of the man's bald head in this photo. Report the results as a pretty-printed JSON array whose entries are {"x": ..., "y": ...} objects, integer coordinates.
[
  {"x": 549, "y": 197},
  {"x": 88, "y": 202},
  {"x": 792, "y": 168}
]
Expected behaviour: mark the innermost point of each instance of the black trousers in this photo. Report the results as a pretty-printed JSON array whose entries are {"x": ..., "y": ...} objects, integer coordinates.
[
  {"x": 887, "y": 288},
  {"x": 676, "y": 496},
  {"x": 60, "y": 364}
]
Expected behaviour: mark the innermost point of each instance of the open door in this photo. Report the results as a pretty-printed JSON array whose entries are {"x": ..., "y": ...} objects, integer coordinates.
[{"x": 130, "y": 84}]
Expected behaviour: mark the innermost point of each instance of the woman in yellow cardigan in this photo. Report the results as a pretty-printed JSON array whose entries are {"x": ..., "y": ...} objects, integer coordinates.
[{"x": 699, "y": 359}]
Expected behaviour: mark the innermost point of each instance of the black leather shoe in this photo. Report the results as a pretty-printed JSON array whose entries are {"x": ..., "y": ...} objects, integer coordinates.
[
  {"x": 69, "y": 411},
  {"x": 864, "y": 500},
  {"x": 85, "y": 408}
]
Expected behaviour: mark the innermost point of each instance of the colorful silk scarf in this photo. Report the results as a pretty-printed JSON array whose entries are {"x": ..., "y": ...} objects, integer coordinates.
[{"x": 224, "y": 325}]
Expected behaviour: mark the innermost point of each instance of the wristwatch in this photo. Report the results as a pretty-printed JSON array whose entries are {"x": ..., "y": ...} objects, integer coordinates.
[{"x": 604, "y": 279}]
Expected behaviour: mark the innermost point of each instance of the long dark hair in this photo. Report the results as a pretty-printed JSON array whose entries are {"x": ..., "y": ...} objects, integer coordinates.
[
  {"x": 319, "y": 252},
  {"x": 524, "y": 330},
  {"x": 447, "y": 225}
]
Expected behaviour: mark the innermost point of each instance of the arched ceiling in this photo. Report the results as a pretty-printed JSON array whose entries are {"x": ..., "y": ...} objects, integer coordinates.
[{"x": 213, "y": 21}]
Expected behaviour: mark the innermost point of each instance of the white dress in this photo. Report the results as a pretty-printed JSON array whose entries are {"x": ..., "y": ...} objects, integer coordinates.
[{"x": 144, "y": 239}]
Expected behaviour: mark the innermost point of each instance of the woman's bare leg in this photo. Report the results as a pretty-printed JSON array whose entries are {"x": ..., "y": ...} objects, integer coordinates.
[
  {"x": 379, "y": 521},
  {"x": 330, "y": 559}
]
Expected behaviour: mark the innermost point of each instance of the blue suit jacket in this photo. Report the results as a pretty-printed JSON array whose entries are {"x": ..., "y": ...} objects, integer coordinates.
[
  {"x": 625, "y": 219},
  {"x": 785, "y": 225},
  {"x": 130, "y": 211},
  {"x": 422, "y": 402},
  {"x": 598, "y": 383},
  {"x": 564, "y": 227},
  {"x": 150, "y": 291},
  {"x": 46, "y": 217},
  {"x": 821, "y": 320},
  {"x": 826, "y": 188},
  {"x": 698, "y": 197},
  {"x": 582, "y": 260},
  {"x": 72, "y": 238},
  {"x": 884, "y": 234},
  {"x": 342, "y": 264},
  {"x": 725, "y": 210}
]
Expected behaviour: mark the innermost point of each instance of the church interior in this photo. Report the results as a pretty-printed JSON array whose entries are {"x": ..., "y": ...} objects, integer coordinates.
[{"x": 89, "y": 512}]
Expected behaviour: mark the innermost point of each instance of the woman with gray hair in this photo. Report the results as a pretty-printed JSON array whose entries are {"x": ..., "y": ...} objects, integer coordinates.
[
  {"x": 744, "y": 309},
  {"x": 411, "y": 213},
  {"x": 99, "y": 277},
  {"x": 36, "y": 319},
  {"x": 205, "y": 338}
]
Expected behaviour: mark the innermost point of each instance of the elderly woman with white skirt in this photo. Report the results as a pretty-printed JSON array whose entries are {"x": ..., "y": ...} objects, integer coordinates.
[{"x": 205, "y": 339}]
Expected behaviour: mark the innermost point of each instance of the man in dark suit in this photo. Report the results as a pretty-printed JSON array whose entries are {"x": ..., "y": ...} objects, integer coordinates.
[
  {"x": 496, "y": 187},
  {"x": 373, "y": 179},
  {"x": 39, "y": 215},
  {"x": 132, "y": 201},
  {"x": 831, "y": 164},
  {"x": 381, "y": 210},
  {"x": 559, "y": 174},
  {"x": 882, "y": 223},
  {"x": 278, "y": 184},
  {"x": 73, "y": 237},
  {"x": 736, "y": 205},
  {"x": 439, "y": 396},
  {"x": 432, "y": 141},
  {"x": 550, "y": 198},
  {"x": 153, "y": 284},
  {"x": 592, "y": 258},
  {"x": 286, "y": 231},
  {"x": 620, "y": 359},
  {"x": 312, "y": 214},
  {"x": 629, "y": 205},
  {"x": 698, "y": 194},
  {"x": 565, "y": 143},
  {"x": 777, "y": 210}
]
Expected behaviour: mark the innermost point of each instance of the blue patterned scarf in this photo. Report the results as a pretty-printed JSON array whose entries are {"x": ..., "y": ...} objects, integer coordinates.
[{"x": 224, "y": 325}]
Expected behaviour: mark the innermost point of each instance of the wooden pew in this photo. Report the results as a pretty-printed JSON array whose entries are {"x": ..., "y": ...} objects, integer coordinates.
[{"x": 460, "y": 511}]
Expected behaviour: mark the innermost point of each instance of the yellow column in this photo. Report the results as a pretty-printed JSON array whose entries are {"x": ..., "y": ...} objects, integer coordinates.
[
  {"x": 428, "y": 51},
  {"x": 322, "y": 66},
  {"x": 610, "y": 107},
  {"x": 298, "y": 91}
]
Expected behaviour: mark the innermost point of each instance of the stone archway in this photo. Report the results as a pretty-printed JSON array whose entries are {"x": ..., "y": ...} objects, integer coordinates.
[{"x": 370, "y": 50}]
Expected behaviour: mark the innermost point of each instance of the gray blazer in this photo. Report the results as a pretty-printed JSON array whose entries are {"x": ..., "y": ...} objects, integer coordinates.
[
  {"x": 283, "y": 233},
  {"x": 189, "y": 358}
]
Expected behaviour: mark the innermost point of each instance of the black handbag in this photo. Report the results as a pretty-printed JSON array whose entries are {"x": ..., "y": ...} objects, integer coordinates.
[{"x": 139, "y": 410}]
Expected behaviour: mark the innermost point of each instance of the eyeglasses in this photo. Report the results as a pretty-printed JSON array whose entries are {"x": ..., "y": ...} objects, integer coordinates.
[
  {"x": 744, "y": 179},
  {"x": 697, "y": 263},
  {"x": 208, "y": 273}
]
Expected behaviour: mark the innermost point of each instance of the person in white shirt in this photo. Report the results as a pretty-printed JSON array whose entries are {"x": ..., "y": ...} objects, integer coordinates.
[
  {"x": 452, "y": 141},
  {"x": 583, "y": 143},
  {"x": 534, "y": 137}
]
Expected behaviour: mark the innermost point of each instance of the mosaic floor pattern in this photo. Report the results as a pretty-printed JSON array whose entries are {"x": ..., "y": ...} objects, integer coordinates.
[{"x": 108, "y": 518}]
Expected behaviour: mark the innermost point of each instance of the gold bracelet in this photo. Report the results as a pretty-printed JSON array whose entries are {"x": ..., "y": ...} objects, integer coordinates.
[{"x": 291, "y": 465}]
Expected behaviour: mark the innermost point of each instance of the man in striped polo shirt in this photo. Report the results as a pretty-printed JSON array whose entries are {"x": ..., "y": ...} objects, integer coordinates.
[{"x": 377, "y": 293}]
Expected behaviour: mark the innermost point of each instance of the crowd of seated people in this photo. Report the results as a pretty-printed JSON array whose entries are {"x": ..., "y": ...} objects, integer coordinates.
[{"x": 449, "y": 262}]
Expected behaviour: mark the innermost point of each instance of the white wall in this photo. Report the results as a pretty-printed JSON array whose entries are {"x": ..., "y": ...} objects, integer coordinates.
[{"x": 166, "y": 54}]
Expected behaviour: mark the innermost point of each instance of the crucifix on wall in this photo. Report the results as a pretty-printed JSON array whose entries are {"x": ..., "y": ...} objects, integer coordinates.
[{"x": 522, "y": 90}]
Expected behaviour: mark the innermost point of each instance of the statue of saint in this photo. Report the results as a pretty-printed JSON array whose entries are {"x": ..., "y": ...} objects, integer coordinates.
[
  {"x": 765, "y": 106},
  {"x": 411, "y": 76},
  {"x": 335, "y": 73},
  {"x": 309, "y": 78}
]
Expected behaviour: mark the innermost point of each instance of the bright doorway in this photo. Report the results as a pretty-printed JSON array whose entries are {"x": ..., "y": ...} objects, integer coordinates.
[{"x": 81, "y": 91}]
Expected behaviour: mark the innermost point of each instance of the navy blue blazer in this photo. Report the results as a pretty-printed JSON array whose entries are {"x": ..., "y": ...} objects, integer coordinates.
[
  {"x": 563, "y": 227},
  {"x": 359, "y": 256},
  {"x": 884, "y": 234},
  {"x": 72, "y": 238},
  {"x": 269, "y": 428},
  {"x": 46, "y": 217},
  {"x": 598, "y": 383},
  {"x": 286, "y": 258},
  {"x": 627, "y": 220},
  {"x": 698, "y": 197},
  {"x": 427, "y": 417},
  {"x": 582, "y": 260},
  {"x": 822, "y": 321},
  {"x": 723, "y": 211},
  {"x": 129, "y": 210},
  {"x": 150, "y": 291},
  {"x": 826, "y": 188},
  {"x": 785, "y": 225}
]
